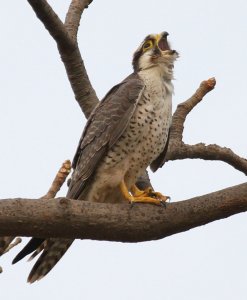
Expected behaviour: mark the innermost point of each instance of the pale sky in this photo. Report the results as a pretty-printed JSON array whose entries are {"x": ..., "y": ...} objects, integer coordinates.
[{"x": 40, "y": 126}]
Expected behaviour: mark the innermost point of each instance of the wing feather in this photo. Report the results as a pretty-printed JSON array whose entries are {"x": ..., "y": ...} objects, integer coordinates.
[{"x": 161, "y": 159}]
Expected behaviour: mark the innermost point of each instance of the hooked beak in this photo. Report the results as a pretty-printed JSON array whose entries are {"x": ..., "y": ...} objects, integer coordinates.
[
  {"x": 162, "y": 44},
  {"x": 161, "y": 41}
]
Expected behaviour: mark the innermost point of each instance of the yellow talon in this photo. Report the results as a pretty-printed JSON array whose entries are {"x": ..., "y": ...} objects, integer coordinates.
[
  {"x": 146, "y": 196},
  {"x": 135, "y": 191}
]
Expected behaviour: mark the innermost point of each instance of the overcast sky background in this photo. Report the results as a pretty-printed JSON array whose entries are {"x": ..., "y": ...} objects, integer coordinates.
[{"x": 40, "y": 126}]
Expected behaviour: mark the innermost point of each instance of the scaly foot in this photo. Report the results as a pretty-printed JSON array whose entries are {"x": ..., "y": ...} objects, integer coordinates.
[{"x": 146, "y": 196}]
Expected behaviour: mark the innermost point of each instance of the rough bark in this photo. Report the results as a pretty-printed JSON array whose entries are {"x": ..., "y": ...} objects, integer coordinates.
[
  {"x": 116, "y": 222},
  {"x": 73, "y": 17}
]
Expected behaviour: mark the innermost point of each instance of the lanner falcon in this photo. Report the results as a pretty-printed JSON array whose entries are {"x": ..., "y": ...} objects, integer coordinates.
[{"x": 126, "y": 133}]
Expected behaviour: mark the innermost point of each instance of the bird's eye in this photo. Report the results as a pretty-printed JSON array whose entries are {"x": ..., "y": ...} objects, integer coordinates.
[{"x": 147, "y": 45}]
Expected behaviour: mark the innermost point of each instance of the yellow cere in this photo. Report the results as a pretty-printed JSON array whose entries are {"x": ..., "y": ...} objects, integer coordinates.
[
  {"x": 150, "y": 43},
  {"x": 157, "y": 37}
]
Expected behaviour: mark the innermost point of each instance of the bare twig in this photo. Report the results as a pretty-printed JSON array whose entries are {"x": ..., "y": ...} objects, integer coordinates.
[
  {"x": 183, "y": 109},
  {"x": 73, "y": 17},
  {"x": 59, "y": 180}
]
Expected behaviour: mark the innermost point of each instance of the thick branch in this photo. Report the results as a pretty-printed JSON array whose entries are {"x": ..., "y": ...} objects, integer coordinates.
[
  {"x": 78, "y": 78},
  {"x": 116, "y": 222}
]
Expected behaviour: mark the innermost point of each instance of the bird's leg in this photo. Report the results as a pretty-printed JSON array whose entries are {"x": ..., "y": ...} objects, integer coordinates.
[
  {"x": 135, "y": 191},
  {"x": 146, "y": 196},
  {"x": 148, "y": 192}
]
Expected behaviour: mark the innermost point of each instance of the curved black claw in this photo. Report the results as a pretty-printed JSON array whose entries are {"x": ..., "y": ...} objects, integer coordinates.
[{"x": 164, "y": 203}]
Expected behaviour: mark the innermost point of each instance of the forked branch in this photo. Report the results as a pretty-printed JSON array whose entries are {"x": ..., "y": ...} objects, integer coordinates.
[
  {"x": 179, "y": 150},
  {"x": 65, "y": 36}
]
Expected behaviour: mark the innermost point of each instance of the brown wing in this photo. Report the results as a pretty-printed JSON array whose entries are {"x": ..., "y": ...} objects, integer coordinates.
[
  {"x": 104, "y": 127},
  {"x": 161, "y": 159}
]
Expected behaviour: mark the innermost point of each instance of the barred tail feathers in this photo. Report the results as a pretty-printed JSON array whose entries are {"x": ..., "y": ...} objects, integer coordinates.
[{"x": 52, "y": 253}]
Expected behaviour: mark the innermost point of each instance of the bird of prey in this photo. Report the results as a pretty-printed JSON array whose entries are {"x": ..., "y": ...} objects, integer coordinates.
[{"x": 127, "y": 132}]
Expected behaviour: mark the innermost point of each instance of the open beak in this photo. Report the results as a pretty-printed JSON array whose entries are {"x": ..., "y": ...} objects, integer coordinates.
[
  {"x": 161, "y": 40},
  {"x": 162, "y": 43}
]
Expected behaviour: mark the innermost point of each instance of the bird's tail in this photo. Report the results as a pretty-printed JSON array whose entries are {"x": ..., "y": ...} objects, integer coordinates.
[
  {"x": 52, "y": 253},
  {"x": 53, "y": 250}
]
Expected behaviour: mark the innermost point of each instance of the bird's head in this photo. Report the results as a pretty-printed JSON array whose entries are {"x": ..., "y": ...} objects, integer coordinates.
[{"x": 154, "y": 51}]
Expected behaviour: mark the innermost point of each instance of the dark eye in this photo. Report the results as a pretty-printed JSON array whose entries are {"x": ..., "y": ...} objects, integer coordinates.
[{"x": 147, "y": 45}]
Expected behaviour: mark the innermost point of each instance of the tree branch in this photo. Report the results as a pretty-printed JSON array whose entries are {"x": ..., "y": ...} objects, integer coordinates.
[
  {"x": 59, "y": 180},
  {"x": 116, "y": 222},
  {"x": 73, "y": 17},
  {"x": 177, "y": 149},
  {"x": 53, "y": 24},
  {"x": 210, "y": 152},
  {"x": 78, "y": 78},
  {"x": 69, "y": 52},
  {"x": 184, "y": 108}
]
